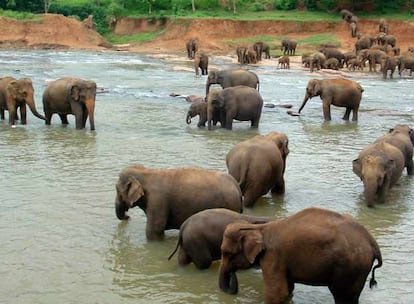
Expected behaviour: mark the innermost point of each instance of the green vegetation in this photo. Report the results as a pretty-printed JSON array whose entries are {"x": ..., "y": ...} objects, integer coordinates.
[
  {"x": 137, "y": 38},
  {"x": 319, "y": 39},
  {"x": 23, "y": 16}
]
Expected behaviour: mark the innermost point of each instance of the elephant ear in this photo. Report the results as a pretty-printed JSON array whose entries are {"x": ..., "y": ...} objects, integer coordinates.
[
  {"x": 75, "y": 92},
  {"x": 13, "y": 89},
  {"x": 134, "y": 190},
  {"x": 252, "y": 243},
  {"x": 357, "y": 166},
  {"x": 317, "y": 88}
]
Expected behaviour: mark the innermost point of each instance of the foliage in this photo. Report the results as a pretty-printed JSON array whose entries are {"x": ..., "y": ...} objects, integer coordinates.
[
  {"x": 319, "y": 39},
  {"x": 123, "y": 39},
  {"x": 24, "y": 16}
]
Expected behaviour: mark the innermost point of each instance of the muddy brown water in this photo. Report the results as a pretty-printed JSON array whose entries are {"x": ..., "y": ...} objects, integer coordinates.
[{"x": 60, "y": 238}]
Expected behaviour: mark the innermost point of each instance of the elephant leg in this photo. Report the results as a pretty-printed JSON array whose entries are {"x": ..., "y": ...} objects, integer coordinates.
[
  {"x": 84, "y": 118},
  {"x": 63, "y": 118},
  {"x": 229, "y": 122},
  {"x": 2, "y": 114},
  {"x": 355, "y": 113},
  {"x": 23, "y": 114},
  {"x": 276, "y": 288},
  {"x": 48, "y": 116},
  {"x": 78, "y": 111},
  {"x": 12, "y": 115},
  {"x": 347, "y": 113},
  {"x": 183, "y": 257},
  {"x": 250, "y": 196},
  {"x": 326, "y": 106},
  {"x": 255, "y": 123},
  {"x": 410, "y": 166},
  {"x": 279, "y": 187}
]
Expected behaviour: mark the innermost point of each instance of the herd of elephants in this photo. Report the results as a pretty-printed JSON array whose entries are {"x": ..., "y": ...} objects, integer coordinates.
[{"x": 314, "y": 246}]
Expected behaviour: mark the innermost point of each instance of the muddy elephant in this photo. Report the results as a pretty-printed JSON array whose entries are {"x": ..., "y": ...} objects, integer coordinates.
[
  {"x": 200, "y": 108},
  {"x": 170, "y": 196},
  {"x": 16, "y": 94},
  {"x": 201, "y": 235},
  {"x": 241, "y": 103},
  {"x": 191, "y": 47},
  {"x": 339, "y": 92},
  {"x": 71, "y": 96},
  {"x": 402, "y": 137},
  {"x": 231, "y": 78},
  {"x": 379, "y": 166},
  {"x": 258, "y": 165},
  {"x": 288, "y": 46},
  {"x": 388, "y": 63},
  {"x": 313, "y": 247},
  {"x": 201, "y": 62}
]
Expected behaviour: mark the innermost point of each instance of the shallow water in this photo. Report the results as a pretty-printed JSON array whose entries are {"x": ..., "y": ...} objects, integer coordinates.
[{"x": 60, "y": 238}]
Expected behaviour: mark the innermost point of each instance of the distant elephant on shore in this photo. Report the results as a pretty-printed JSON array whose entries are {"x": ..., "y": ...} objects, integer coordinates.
[
  {"x": 317, "y": 60},
  {"x": 388, "y": 63},
  {"x": 70, "y": 96},
  {"x": 16, "y": 94},
  {"x": 202, "y": 233},
  {"x": 288, "y": 46},
  {"x": 231, "y": 78},
  {"x": 170, "y": 196},
  {"x": 192, "y": 47},
  {"x": 241, "y": 54},
  {"x": 339, "y": 92},
  {"x": 201, "y": 62},
  {"x": 383, "y": 26},
  {"x": 240, "y": 102},
  {"x": 200, "y": 108}
]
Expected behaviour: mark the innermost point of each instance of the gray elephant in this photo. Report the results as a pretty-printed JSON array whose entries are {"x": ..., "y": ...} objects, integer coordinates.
[
  {"x": 258, "y": 165},
  {"x": 332, "y": 64},
  {"x": 201, "y": 62},
  {"x": 70, "y": 96},
  {"x": 388, "y": 63},
  {"x": 191, "y": 47},
  {"x": 363, "y": 43},
  {"x": 202, "y": 233},
  {"x": 405, "y": 62},
  {"x": 383, "y": 26},
  {"x": 241, "y": 103},
  {"x": 315, "y": 246},
  {"x": 170, "y": 196},
  {"x": 354, "y": 28},
  {"x": 317, "y": 60},
  {"x": 339, "y": 92},
  {"x": 16, "y": 94},
  {"x": 379, "y": 166},
  {"x": 402, "y": 137},
  {"x": 288, "y": 46},
  {"x": 333, "y": 52},
  {"x": 241, "y": 54},
  {"x": 200, "y": 108},
  {"x": 231, "y": 78}
]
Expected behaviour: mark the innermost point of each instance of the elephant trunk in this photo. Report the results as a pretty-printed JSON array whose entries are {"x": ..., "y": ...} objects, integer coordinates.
[
  {"x": 208, "y": 84},
  {"x": 370, "y": 191},
  {"x": 228, "y": 282},
  {"x": 31, "y": 104},
  {"x": 305, "y": 100},
  {"x": 90, "y": 107},
  {"x": 188, "y": 119},
  {"x": 121, "y": 209},
  {"x": 210, "y": 111}
]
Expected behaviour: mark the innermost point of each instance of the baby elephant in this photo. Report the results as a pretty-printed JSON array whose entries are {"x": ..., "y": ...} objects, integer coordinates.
[
  {"x": 201, "y": 235},
  {"x": 314, "y": 246},
  {"x": 284, "y": 62}
]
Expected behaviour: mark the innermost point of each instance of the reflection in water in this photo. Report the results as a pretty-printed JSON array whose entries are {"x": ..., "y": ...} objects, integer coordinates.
[{"x": 60, "y": 234}]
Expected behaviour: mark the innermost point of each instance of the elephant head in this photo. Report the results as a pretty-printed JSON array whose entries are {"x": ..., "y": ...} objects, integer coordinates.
[
  {"x": 241, "y": 244},
  {"x": 404, "y": 129},
  {"x": 129, "y": 192},
  {"x": 197, "y": 108},
  {"x": 215, "y": 102},
  {"x": 375, "y": 171},
  {"x": 83, "y": 94},
  {"x": 213, "y": 78},
  {"x": 281, "y": 141},
  {"x": 21, "y": 91},
  {"x": 314, "y": 88}
]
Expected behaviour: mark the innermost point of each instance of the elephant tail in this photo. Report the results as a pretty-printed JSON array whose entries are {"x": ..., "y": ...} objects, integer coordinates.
[
  {"x": 378, "y": 257},
  {"x": 180, "y": 240}
]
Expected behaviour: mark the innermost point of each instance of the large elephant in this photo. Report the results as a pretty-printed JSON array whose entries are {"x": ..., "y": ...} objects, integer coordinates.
[
  {"x": 333, "y": 52},
  {"x": 202, "y": 233},
  {"x": 192, "y": 47},
  {"x": 258, "y": 165},
  {"x": 231, "y": 78},
  {"x": 201, "y": 62},
  {"x": 288, "y": 46},
  {"x": 15, "y": 94},
  {"x": 241, "y": 103},
  {"x": 379, "y": 166},
  {"x": 200, "y": 108},
  {"x": 402, "y": 137},
  {"x": 70, "y": 96},
  {"x": 339, "y": 92},
  {"x": 314, "y": 246},
  {"x": 170, "y": 196}
]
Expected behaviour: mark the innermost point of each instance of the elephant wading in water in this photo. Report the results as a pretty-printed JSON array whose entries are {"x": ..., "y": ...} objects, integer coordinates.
[
  {"x": 339, "y": 92},
  {"x": 70, "y": 96},
  {"x": 231, "y": 78},
  {"x": 170, "y": 196},
  {"x": 200, "y": 108},
  {"x": 379, "y": 166},
  {"x": 14, "y": 94},
  {"x": 240, "y": 103},
  {"x": 202, "y": 233},
  {"x": 314, "y": 246},
  {"x": 201, "y": 62},
  {"x": 258, "y": 165}
]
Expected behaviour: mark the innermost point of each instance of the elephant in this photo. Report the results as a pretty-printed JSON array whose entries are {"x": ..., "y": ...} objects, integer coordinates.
[
  {"x": 288, "y": 46},
  {"x": 354, "y": 28},
  {"x": 332, "y": 63},
  {"x": 379, "y": 166},
  {"x": 231, "y": 78},
  {"x": 363, "y": 43},
  {"x": 388, "y": 63},
  {"x": 241, "y": 54},
  {"x": 374, "y": 57},
  {"x": 405, "y": 62},
  {"x": 201, "y": 235},
  {"x": 348, "y": 56},
  {"x": 241, "y": 103},
  {"x": 387, "y": 39},
  {"x": 333, "y": 52},
  {"x": 258, "y": 48},
  {"x": 251, "y": 56},
  {"x": 317, "y": 60},
  {"x": 348, "y": 16},
  {"x": 170, "y": 196},
  {"x": 200, "y": 108},
  {"x": 258, "y": 165},
  {"x": 314, "y": 246},
  {"x": 192, "y": 47},
  {"x": 70, "y": 96},
  {"x": 402, "y": 137},
  {"x": 355, "y": 64},
  {"x": 383, "y": 26},
  {"x": 284, "y": 62},
  {"x": 266, "y": 50},
  {"x": 16, "y": 94},
  {"x": 201, "y": 61},
  {"x": 339, "y": 92}
]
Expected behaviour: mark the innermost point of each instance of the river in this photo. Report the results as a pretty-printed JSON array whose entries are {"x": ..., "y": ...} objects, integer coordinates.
[{"x": 60, "y": 239}]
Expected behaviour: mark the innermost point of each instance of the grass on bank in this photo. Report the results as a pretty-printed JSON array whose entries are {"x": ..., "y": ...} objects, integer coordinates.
[{"x": 21, "y": 16}]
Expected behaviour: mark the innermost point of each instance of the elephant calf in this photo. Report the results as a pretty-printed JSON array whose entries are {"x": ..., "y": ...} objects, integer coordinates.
[
  {"x": 170, "y": 196},
  {"x": 202, "y": 233},
  {"x": 258, "y": 165},
  {"x": 200, "y": 108},
  {"x": 315, "y": 246}
]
